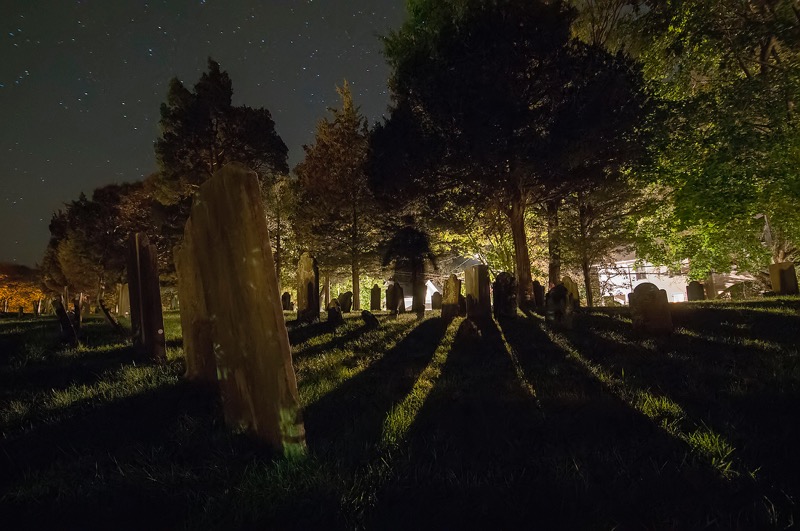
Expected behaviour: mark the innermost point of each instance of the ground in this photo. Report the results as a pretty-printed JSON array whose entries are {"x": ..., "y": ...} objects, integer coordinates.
[{"x": 418, "y": 425}]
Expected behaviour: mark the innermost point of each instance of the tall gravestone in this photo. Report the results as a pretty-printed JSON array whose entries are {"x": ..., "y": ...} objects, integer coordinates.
[
  {"x": 198, "y": 345},
  {"x": 559, "y": 307},
  {"x": 572, "y": 289},
  {"x": 783, "y": 278},
  {"x": 695, "y": 291},
  {"x": 650, "y": 311},
  {"x": 452, "y": 290},
  {"x": 479, "y": 305},
  {"x": 147, "y": 320},
  {"x": 375, "y": 298},
  {"x": 504, "y": 293},
  {"x": 286, "y": 301},
  {"x": 232, "y": 253},
  {"x": 401, "y": 298},
  {"x": 538, "y": 294},
  {"x": 68, "y": 333},
  {"x": 307, "y": 289},
  {"x": 436, "y": 301},
  {"x": 391, "y": 298},
  {"x": 346, "y": 301}
]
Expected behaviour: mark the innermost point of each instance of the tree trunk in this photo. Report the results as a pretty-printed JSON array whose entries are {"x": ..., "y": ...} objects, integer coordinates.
[
  {"x": 278, "y": 249},
  {"x": 553, "y": 243},
  {"x": 326, "y": 290},
  {"x": 417, "y": 287},
  {"x": 76, "y": 305},
  {"x": 356, "y": 288},
  {"x": 522, "y": 260},
  {"x": 583, "y": 219}
]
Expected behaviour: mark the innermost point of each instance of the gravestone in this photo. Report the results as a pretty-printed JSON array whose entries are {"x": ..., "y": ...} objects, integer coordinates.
[
  {"x": 783, "y": 278},
  {"x": 198, "y": 343},
  {"x": 346, "y": 301},
  {"x": 538, "y": 294},
  {"x": 559, "y": 307},
  {"x": 67, "y": 330},
  {"x": 479, "y": 304},
  {"x": 286, "y": 301},
  {"x": 650, "y": 311},
  {"x": 334, "y": 312},
  {"x": 436, "y": 301},
  {"x": 452, "y": 291},
  {"x": 375, "y": 298},
  {"x": 574, "y": 294},
  {"x": 504, "y": 293},
  {"x": 462, "y": 306},
  {"x": 401, "y": 298},
  {"x": 124, "y": 304},
  {"x": 370, "y": 321},
  {"x": 230, "y": 249},
  {"x": 307, "y": 289},
  {"x": 391, "y": 298},
  {"x": 21, "y": 312},
  {"x": 147, "y": 320},
  {"x": 695, "y": 291}
]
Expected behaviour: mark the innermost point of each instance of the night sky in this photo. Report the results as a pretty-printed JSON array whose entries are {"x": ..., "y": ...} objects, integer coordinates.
[{"x": 81, "y": 83}]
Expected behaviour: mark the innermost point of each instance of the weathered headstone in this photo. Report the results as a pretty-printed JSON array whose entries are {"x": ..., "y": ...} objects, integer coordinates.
[
  {"x": 254, "y": 361},
  {"x": 286, "y": 301},
  {"x": 452, "y": 291},
  {"x": 650, "y": 311},
  {"x": 346, "y": 301},
  {"x": 375, "y": 298},
  {"x": 695, "y": 291},
  {"x": 783, "y": 278},
  {"x": 334, "y": 312},
  {"x": 436, "y": 301},
  {"x": 401, "y": 298},
  {"x": 67, "y": 330},
  {"x": 559, "y": 306},
  {"x": 538, "y": 294},
  {"x": 124, "y": 304},
  {"x": 147, "y": 320},
  {"x": 370, "y": 321},
  {"x": 391, "y": 298},
  {"x": 479, "y": 304},
  {"x": 307, "y": 289},
  {"x": 198, "y": 343},
  {"x": 504, "y": 292},
  {"x": 574, "y": 294}
]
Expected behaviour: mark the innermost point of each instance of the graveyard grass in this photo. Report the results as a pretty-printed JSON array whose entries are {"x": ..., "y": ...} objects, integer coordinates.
[{"x": 415, "y": 425}]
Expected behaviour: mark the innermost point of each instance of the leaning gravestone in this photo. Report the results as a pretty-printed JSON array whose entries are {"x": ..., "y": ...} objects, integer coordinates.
[
  {"x": 147, "y": 320},
  {"x": 695, "y": 291},
  {"x": 370, "y": 321},
  {"x": 231, "y": 250},
  {"x": 334, "y": 314},
  {"x": 307, "y": 289},
  {"x": 346, "y": 301},
  {"x": 375, "y": 298},
  {"x": 452, "y": 291},
  {"x": 479, "y": 305},
  {"x": 505, "y": 295},
  {"x": 198, "y": 344},
  {"x": 650, "y": 311},
  {"x": 286, "y": 301},
  {"x": 436, "y": 301},
  {"x": 538, "y": 294},
  {"x": 67, "y": 330},
  {"x": 559, "y": 307},
  {"x": 783, "y": 278}
]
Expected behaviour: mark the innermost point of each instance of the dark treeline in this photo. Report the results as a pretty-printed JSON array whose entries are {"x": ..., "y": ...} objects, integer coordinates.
[{"x": 538, "y": 137}]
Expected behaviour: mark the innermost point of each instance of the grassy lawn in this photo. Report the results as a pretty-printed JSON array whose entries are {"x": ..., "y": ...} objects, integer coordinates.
[{"x": 414, "y": 425}]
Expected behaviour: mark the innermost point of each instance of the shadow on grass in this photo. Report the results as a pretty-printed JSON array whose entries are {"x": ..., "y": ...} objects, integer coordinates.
[
  {"x": 484, "y": 452},
  {"x": 348, "y": 421}
]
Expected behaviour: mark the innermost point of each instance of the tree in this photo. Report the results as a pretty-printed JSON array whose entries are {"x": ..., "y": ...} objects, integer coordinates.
[
  {"x": 201, "y": 131},
  {"x": 336, "y": 210},
  {"x": 515, "y": 110},
  {"x": 280, "y": 204}
]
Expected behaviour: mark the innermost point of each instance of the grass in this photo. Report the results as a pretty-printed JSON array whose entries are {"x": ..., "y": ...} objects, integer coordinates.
[{"x": 419, "y": 424}]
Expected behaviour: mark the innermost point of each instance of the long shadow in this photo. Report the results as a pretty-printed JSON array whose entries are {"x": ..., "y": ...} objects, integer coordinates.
[
  {"x": 730, "y": 389},
  {"x": 348, "y": 421},
  {"x": 486, "y": 453}
]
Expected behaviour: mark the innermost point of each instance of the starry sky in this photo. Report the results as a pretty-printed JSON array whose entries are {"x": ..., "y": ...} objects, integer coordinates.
[{"x": 81, "y": 82}]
